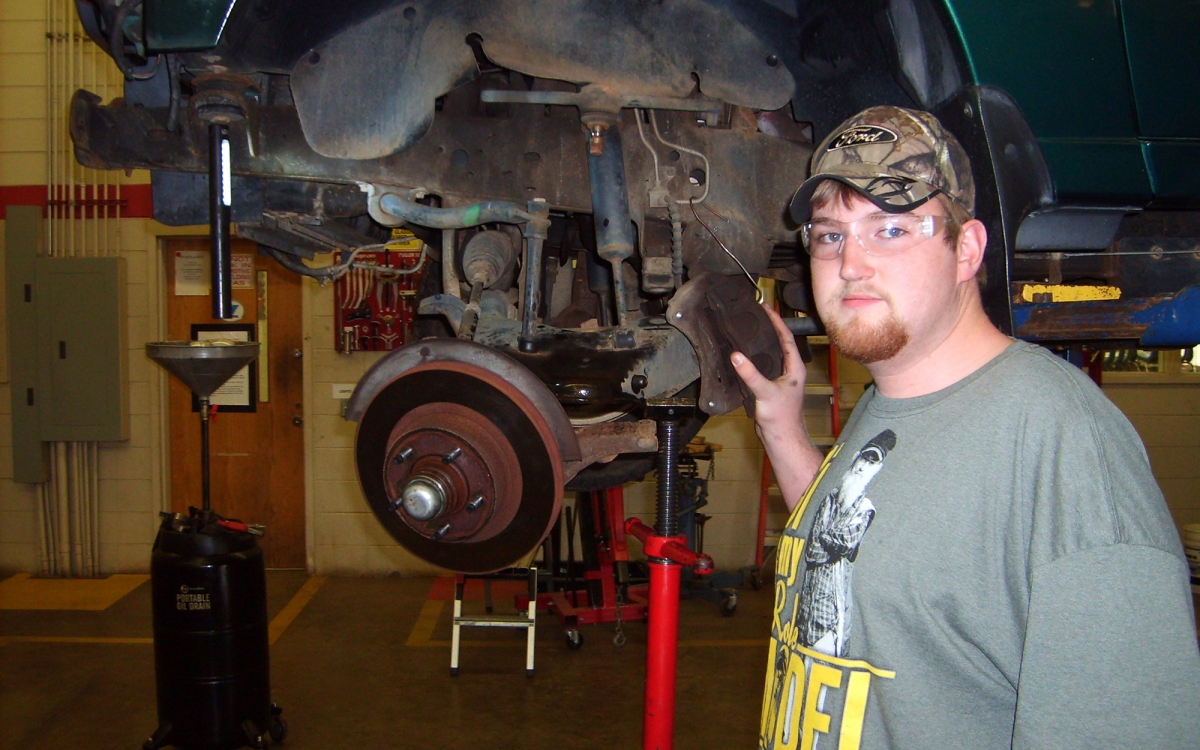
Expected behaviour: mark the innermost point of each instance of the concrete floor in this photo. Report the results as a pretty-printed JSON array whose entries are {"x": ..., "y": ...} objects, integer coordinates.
[{"x": 355, "y": 668}]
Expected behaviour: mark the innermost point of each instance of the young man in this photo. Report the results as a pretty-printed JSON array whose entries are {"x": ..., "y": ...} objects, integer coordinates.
[{"x": 984, "y": 560}]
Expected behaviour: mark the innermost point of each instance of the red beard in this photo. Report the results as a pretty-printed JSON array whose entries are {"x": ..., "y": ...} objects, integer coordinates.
[{"x": 868, "y": 344}]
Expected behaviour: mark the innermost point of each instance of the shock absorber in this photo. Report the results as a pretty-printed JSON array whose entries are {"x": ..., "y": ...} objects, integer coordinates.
[{"x": 610, "y": 207}]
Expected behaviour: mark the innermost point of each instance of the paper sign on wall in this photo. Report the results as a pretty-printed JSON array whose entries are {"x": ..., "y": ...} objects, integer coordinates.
[
  {"x": 191, "y": 273},
  {"x": 242, "y": 271}
]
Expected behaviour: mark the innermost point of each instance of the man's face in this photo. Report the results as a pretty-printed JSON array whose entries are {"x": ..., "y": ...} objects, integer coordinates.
[{"x": 874, "y": 307}]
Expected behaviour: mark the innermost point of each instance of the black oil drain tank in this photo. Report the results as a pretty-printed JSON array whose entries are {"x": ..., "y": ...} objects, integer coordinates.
[{"x": 211, "y": 658}]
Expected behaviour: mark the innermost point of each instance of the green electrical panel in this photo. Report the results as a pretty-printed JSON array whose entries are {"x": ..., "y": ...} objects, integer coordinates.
[
  {"x": 23, "y": 244},
  {"x": 83, "y": 348},
  {"x": 69, "y": 354}
]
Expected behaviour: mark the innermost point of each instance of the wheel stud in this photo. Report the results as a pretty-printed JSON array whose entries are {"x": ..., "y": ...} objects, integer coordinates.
[
  {"x": 475, "y": 504},
  {"x": 437, "y": 535},
  {"x": 403, "y": 456},
  {"x": 452, "y": 456}
]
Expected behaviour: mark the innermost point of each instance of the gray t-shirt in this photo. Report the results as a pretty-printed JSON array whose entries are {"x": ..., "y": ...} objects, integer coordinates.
[{"x": 988, "y": 566}]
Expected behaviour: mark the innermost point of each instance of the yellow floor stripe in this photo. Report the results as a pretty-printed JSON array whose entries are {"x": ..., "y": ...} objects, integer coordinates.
[
  {"x": 4, "y": 641},
  {"x": 281, "y": 622},
  {"x": 90, "y": 594},
  {"x": 758, "y": 642},
  {"x": 422, "y": 632},
  {"x": 294, "y": 607}
]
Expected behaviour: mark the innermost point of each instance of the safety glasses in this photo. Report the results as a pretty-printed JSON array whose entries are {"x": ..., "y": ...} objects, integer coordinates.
[{"x": 880, "y": 235}]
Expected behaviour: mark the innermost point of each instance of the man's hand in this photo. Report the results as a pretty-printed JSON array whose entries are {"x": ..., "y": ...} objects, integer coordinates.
[
  {"x": 779, "y": 414},
  {"x": 778, "y": 403}
]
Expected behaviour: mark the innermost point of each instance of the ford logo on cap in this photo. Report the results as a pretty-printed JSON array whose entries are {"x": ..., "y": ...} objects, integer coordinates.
[{"x": 862, "y": 135}]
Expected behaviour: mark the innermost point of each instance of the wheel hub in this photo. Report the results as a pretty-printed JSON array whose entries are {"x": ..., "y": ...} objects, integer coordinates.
[{"x": 448, "y": 471}]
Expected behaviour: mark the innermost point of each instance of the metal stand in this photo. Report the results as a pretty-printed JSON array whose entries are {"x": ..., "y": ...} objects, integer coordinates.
[
  {"x": 607, "y": 597},
  {"x": 667, "y": 552},
  {"x": 205, "y": 487},
  {"x": 212, "y": 662},
  {"x": 489, "y": 620},
  {"x": 203, "y": 366}
]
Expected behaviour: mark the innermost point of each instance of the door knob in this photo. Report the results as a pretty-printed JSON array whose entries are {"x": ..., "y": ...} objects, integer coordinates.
[{"x": 298, "y": 421}]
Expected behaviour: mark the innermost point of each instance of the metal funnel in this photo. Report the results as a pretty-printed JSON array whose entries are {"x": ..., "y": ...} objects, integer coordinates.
[{"x": 203, "y": 366}]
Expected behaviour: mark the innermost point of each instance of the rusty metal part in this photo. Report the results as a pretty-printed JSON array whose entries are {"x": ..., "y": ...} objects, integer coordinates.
[
  {"x": 594, "y": 372},
  {"x": 603, "y": 442},
  {"x": 475, "y": 434},
  {"x": 594, "y": 98},
  {"x": 1083, "y": 321},
  {"x": 223, "y": 98},
  {"x": 391, "y": 367},
  {"x": 720, "y": 315},
  {"x": 653, "y": 50},
  {"x": 468, "y": 159},
  {"x": 466, "y": 457}
]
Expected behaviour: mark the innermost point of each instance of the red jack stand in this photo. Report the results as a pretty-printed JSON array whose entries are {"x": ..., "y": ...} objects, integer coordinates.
[
  {"x": 606, "y": 509},
  {"x": 667, "y": 556},
  {"x": 667, "y": 553}
]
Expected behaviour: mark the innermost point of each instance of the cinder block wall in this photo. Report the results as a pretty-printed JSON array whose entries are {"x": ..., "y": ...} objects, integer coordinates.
[
  {"x": 1167, "y": 417},
  {"x": 131, "y": 472},
  {"x": 22, "y": 161},
  {"x": 344, "y": 535}
]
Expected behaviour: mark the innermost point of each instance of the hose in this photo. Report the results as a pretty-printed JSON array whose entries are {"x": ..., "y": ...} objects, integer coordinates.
[
  {"x": 338, "y": 270},
  {"x": 116, "y": 43},
  {"x": 291, "y": 263},
  {"x": 487, "y": 212}
]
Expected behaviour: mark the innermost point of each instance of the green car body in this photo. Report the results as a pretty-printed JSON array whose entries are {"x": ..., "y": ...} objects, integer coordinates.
[{"x": 1109, "y": 88}]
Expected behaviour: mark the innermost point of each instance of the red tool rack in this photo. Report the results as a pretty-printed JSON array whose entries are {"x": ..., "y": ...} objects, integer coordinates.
[
  {"x": 575, "y": 608},
  {"x": 374, "y": 307}
]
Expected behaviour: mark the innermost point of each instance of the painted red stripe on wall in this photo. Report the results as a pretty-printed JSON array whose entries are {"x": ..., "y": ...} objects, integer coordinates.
[{"x": 136, "y": 201}]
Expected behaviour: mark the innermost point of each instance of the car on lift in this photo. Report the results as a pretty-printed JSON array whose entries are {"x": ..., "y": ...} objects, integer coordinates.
[{"x": 598, "y": 187}]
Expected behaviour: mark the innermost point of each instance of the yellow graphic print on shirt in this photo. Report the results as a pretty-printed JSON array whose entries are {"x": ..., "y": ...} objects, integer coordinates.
[{"x": 812, "y": 689}]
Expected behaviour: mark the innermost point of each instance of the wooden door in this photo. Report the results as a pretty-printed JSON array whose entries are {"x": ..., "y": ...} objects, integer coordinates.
[{"x": 256, "y": 458}]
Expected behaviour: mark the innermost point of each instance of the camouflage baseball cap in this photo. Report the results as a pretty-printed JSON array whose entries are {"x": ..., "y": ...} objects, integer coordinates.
[{"x": 897, "y": 158}]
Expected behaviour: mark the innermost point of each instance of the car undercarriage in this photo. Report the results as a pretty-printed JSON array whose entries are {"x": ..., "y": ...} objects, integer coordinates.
[{"x": 598, "y": 188}]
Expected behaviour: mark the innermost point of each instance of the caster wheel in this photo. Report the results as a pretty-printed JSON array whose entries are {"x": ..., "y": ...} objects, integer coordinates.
[
  {"x": 279, "y": 729},
  {"x": 729, "y": 605},
  {"x": 253, "y": 738},
  {"x": 574, "y": 640},
  {"x": 756, "y": 580},
  {"x": 454, "y": 671},
  {"x": 529, "y": 673}
]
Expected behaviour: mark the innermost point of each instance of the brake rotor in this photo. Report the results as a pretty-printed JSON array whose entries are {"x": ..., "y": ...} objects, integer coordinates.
[{"x": 459, "y": 466}]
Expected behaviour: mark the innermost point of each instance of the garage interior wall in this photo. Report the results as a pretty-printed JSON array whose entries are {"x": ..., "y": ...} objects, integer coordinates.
[{"x": 343, "y": 536}]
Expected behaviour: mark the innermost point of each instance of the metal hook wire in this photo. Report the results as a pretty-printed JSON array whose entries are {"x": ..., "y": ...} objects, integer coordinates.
[{"x": 758, "y": 293}]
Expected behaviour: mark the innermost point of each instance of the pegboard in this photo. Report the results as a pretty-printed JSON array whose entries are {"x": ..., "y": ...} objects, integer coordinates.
[{"x": 374, "y": 307}]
